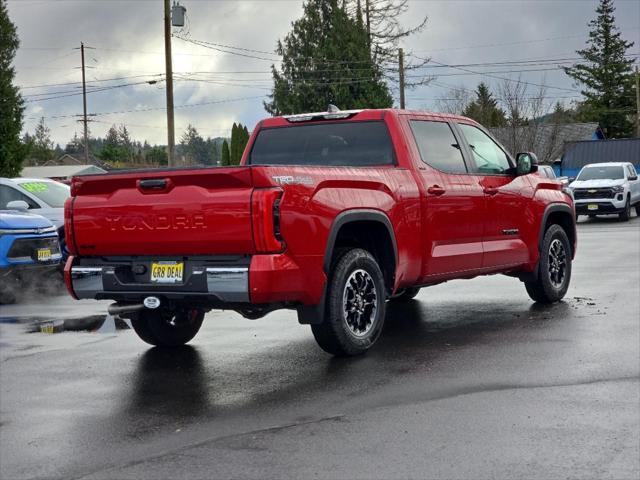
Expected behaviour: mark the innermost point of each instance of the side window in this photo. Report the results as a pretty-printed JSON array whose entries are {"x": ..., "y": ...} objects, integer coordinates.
[
  {"x": 9, "y": 194},
  {"x": 438, "y": 146},
  {"x": 489, "y": 157},
  {"x": 632, "y": 171}
]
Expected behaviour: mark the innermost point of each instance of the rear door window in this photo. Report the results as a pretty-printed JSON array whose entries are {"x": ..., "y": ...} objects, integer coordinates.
[
  {"x": 438, "y": 146},
  {"x": 356, "y": 144}
]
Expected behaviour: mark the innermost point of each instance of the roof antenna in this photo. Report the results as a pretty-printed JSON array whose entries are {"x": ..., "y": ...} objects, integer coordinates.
[{"x": 332, "y": 108}]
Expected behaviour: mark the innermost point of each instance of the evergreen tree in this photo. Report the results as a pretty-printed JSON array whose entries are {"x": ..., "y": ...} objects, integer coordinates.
[
  {"x": 225, "y": 159},
  {"x": 112, "y": 150},
  {"x": 156, "y": 155},
  {"x": 606, "y": 75},
  {"x": 484, "y": 109},
  {"x": 326, "y": 59},
  {"x": 233, "y": 146},
  {"x": 244, "y": 139},
  {"x": 561, "y": 115},
  {"x": 42, "y": 146},
  {"x": 12, "y": 151},
  {"x": 214, "y": 147},
  {"x": 125, "y": 142},
  {"x": 74, "y": 145},
  {"x": 194, "y": 146}
]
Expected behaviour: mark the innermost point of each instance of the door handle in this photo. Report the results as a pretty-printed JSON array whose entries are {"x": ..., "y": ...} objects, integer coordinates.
[
  {"x": 490, "y": 190},
  {"x": 436, "y": 190},
  {"x": 153, "y": 184}
]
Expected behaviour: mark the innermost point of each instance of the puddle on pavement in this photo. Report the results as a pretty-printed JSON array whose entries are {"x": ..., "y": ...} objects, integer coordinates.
[{"x": 91, "y": 323}]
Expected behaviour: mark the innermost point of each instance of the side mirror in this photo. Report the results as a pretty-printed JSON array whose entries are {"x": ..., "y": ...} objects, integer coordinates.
[
  {"x": 20, "y": 205},
  {"x": 526, "y": 162},
  {"x": 572, "y": 179},
  {"x": 633, "y": 179}
]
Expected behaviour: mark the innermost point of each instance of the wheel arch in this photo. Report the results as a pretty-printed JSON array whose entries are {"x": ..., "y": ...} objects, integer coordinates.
[
  {"x": 346, "y": 223},
  {"x": 368, "y": 229},
  {"x": 563, "y": 215}
]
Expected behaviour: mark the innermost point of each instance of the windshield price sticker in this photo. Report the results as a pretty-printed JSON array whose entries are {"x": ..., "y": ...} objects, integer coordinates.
[{"x": 34, "y": 187}]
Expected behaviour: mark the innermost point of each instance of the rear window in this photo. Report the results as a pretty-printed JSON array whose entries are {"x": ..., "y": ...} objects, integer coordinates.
[{"x": 331, "y": 144}]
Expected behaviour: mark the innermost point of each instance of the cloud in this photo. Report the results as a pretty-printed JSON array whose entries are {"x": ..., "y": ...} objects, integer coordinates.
[{"x": 128, "y": 41}]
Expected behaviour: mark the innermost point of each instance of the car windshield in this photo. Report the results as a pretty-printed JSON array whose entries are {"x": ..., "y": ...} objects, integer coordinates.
[
  {"x": 601, "y": 173},
  {"x": 53, "y": 194}
]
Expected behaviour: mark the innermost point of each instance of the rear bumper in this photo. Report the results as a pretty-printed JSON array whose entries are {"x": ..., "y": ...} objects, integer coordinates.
[
  {"x": 216, "y": 282},
  {"x": 226, "y": 284}
]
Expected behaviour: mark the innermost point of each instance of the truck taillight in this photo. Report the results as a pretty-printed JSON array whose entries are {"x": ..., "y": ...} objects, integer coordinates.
[
  {"x": 265, "y": 215},
  {"x": 68, "y": 227}
]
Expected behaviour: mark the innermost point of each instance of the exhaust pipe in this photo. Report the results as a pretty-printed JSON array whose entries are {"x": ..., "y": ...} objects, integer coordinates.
[{"x": 119, "y": 308}]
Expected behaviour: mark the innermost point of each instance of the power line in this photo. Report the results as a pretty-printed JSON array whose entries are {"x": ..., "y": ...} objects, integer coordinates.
[
  {"x": 150, "y": 109},
  {"x": 96, "y": 90},
  {"x": 45, "y": 85},
  {"x": 522, "y": 42},
  {"x": 508, "y": 79}
]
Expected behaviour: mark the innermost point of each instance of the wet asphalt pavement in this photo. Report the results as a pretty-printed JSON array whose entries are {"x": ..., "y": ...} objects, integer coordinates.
[{"x": 470, "y": 380}]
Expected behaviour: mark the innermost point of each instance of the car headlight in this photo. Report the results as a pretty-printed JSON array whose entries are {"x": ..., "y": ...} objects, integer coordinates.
[{"x": 618, "y": 189}]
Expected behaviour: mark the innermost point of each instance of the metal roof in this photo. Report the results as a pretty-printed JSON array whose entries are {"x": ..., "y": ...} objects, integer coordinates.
[
  {"x": 579, "y": 154},
  {"x": 61, "y": 171}
]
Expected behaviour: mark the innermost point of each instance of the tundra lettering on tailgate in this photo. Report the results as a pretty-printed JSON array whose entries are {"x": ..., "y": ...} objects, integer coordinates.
[{"x": 156, "y": 222}]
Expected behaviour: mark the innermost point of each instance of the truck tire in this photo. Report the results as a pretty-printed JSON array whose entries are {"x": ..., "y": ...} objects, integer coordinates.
[
  {"x": 168, "y": 328},
  {"x": 355, "y": 308},
  {"x": 406, "y": 295},
  {"x": 625, "y": 215},
  {"x": 638, "y": 209},
  {"x": 554, "y": 267}
]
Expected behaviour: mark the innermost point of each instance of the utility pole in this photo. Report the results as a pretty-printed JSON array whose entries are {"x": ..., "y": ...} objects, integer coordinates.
[
  {"x": 84, "y": 105},
  {"x": 401, "y": 71},
  {"x": 169, "y": 79},
  {"x": 637, "y": 103},
  {"x": 366, "y": 6}
]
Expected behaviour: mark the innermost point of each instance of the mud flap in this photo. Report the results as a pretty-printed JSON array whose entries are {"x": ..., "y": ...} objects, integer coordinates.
[{"x": 313, "y": 314}]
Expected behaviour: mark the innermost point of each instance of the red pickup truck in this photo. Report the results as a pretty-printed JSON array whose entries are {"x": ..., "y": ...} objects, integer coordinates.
[{"x": 331, "y": 214}]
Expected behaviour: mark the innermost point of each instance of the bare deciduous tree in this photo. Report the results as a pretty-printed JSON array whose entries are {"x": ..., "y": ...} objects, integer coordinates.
[
  {"x": 526, "y": 127},
  {"x": 455, "y": 101},
  {"x": 382, "y": 21}
]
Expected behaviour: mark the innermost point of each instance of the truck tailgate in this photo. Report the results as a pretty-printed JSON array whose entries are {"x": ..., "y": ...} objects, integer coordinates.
[{"x": 164, "y": 213}]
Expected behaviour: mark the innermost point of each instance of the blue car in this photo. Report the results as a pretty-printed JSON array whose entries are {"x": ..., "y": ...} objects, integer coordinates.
[{"x": 29, "y": 247}]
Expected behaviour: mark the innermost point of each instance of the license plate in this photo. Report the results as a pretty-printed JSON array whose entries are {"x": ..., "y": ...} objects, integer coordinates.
[
  {"x": 167, "y": 272},
  {"x": 44, "y": 254},
  {"x": 592, "y": 207}
]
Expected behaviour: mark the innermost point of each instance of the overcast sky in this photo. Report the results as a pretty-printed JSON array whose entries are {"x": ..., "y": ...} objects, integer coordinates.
[{"x": 127, "y": 37}]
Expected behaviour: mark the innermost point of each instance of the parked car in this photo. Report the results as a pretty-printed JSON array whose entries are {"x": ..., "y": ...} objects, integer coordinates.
[
  {"x": 43, "y": 197},
  {"x": 605, "y": 188},
  {"x": 546, "y": 171},
  {"x": 331, "y": 214},
  {"x": 29, "y": 247}
]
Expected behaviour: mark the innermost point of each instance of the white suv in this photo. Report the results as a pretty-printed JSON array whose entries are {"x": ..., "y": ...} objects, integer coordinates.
[{"x": 604, "y": 188}]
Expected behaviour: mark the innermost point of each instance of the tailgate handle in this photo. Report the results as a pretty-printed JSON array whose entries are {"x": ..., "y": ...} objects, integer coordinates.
[{"x": 153, "y": 184}]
